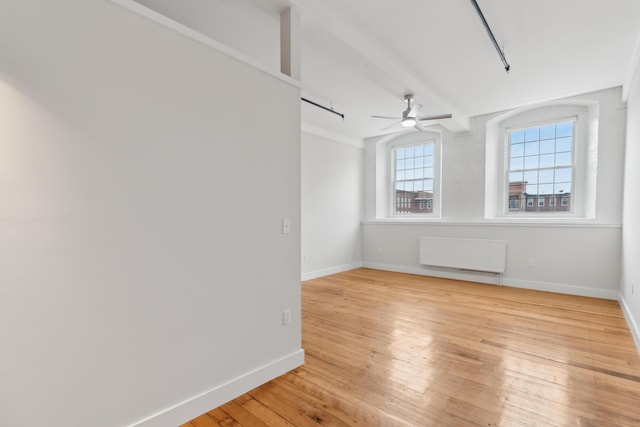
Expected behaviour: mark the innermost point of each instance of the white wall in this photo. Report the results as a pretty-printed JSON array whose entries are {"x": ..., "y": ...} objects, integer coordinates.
[
  {"x": 245, "y": 26},
  {"x": 631, "y": 230},
  {"x": 579, "y": 258},
  {"x": 331, "y": 206},
  {"x": 142, "y": 263}
]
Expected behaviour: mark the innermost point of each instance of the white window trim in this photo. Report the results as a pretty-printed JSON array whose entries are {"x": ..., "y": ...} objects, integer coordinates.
[{"x": 584, "y": 161}]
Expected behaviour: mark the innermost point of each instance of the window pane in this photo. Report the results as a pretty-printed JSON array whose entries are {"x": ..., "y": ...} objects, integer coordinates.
[
  {"x": 428, "y": 185},
  {"x": 531, "y": 148},
  {"x": 563, "y": 175},
  {"x": 532, "y": 134},
  {"x": 548, "y": 132},
  {"x": 547, "y": 146},
  {"x": 517, "y": 163},
  {"x": 531, "y": 162},
  {"x": 410, "y": 152},
  {"x": 531, "y": 177},
  {"x": 563, "y": 144},
  {"x": 564, "y": 129},
  {"x": 409, "y": 174},
  {"x": 563, "y": 159},
  {"x": 419, "y": 173},
  {"x": 400, "y": 153},
  {"x": 515, "y": 177},
  {"x": 418, "y": 185},
  {"x": 517, "y": 136},
  {"x": 428, "y": 172},
  {"x": 546, "y": 161},
  {"x": 399, "y": 175},
  {"x": 409, "y": 163},
  {"x": 399, "y": 164},
  {"x": 532, "y": 189},
  {"x": 428, "y": 161},
  {"x": 419, "y": 162},
  {"x": 562, "y": 187},
  {"x": 546, "y": 176},
  {"x": 545, "y": 189},
  {"x": 517, "y": 150}
]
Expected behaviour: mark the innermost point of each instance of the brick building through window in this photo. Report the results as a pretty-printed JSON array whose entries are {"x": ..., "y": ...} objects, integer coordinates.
[
  {"x": 521, "y": 201},
  {"x": 414, "y": 202}
]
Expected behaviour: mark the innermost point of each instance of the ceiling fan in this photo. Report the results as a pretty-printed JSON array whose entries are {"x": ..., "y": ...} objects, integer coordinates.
[{"x": 410, "y": 117}]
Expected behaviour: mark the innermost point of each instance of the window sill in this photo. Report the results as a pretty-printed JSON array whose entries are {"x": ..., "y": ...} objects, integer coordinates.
[{"x": 499, "y": 222}]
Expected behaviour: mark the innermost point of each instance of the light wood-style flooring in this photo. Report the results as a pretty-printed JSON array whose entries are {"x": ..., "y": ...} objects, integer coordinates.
[{"x": 390, "y": 349}]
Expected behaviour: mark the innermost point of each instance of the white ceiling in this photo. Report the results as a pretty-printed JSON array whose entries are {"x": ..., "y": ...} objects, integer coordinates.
[{"x": 361, "y": 56}]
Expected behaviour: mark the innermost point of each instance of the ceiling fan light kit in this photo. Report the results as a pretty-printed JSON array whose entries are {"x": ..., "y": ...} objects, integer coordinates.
[{"x": 409, "y": 122}]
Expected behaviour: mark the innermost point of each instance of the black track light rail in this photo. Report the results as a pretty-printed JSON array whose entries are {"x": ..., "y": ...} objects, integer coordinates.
[
  {"x": 507, "y": 67},
  {"x": 331, "y": 110}
]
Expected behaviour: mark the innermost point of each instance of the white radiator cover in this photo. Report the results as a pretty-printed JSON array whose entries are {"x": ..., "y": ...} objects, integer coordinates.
[{"x": 467, "y": 254}]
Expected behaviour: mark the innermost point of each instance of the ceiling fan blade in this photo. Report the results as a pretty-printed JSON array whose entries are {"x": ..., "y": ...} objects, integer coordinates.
[
  {"x": 419, "y": 126},
  {"x": 391, "y": 125},
  {"x": 436, "y": 117},
  {"x": 415, "y": 110},
  {"x": 386, "y": 117}
]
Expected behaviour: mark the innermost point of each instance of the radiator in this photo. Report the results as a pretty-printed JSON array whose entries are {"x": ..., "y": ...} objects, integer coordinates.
[{"x": 467, "y": 254}]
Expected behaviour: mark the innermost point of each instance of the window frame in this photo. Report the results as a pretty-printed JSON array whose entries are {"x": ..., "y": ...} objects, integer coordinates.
[
  {"x": 541, "y": 199},
  {"x": 414, "y": 139},
  {"x": 585, "y": 159}
]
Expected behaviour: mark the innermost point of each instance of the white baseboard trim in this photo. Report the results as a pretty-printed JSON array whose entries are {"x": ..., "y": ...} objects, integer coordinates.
[
  {"x": 562, "y": 288},
  {"x": 223, "y": 393},
  {"x": 631, "y": 322},
  {"x": 491, "y": 278},
  {"x": 331, "y": 270},
  {"x": 470, "y": 276}
]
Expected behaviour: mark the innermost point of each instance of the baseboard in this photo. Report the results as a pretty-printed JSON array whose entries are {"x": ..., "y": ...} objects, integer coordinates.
[
  {"x": 331, "y": 270},
  {"x": 562, "y": 288},
  {"x": 631, "y": 322},
  {"x": 479, "y": 277},
  {"x": 223, "y": 393},
  {"x": 491, "y": 278}
]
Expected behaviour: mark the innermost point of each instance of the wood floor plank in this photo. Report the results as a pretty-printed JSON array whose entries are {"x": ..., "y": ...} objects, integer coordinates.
[
  {"x": 390, "y": 349},
  {"x": 241, "y": 415}
]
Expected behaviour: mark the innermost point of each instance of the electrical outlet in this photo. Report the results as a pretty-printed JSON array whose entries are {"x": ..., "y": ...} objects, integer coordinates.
[
  {"x": 286, "y": 317},
  {"x": 286, "y": 226},
  {"x": 532, "y": 263}
]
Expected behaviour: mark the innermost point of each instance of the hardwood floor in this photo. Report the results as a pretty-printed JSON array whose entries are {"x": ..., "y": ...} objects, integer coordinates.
[{"x": 390, "y": 349}]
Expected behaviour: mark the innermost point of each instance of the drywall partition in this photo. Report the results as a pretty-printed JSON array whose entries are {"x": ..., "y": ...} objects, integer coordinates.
[
  {"x": 577, "y": 256},
  {"x": 143, "y": 269},
  {"x": 631, "y": 231},
  {"x": 227, "y": 22},
  {"x": 331, "y": 206}
]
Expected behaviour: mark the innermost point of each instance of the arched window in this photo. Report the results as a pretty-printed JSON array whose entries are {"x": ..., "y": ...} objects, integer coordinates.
[
  {"x": 408, "y": 175},
  {"x": 538, "y": 155}
]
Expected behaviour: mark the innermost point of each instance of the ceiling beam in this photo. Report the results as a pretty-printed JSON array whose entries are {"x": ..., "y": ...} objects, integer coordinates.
[{"x": 290, "y": 43}]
